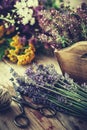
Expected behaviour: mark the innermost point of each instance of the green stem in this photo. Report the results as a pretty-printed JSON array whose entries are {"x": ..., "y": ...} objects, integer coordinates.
[
  {"x": 81, "y": 90},
  {"x": 70, "y": 110},
  {"x": 71, "y": 94},
  {"x": 8, "y": 20},
  {"x": 64, "y": 94},
  {"x": 84, "y": 94},
  {"x": 76, "y": 106}
]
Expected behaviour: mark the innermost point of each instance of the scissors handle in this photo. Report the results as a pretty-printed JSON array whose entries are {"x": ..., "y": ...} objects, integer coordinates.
[
  {"x": 21, "y": 120},
  {"x": 48, "y": 112},
  {"x": 21, "y": 124}
]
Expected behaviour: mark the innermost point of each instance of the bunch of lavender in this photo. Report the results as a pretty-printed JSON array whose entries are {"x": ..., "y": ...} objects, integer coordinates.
[
  {"x": 45, "y": 86},
  {"x": 59, "y": 28}
]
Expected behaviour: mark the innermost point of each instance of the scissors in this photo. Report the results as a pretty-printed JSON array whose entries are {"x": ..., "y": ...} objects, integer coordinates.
[{"x": 22, "y": 103}]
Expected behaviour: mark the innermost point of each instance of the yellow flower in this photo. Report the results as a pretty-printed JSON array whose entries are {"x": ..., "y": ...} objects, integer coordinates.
[
  {"x": 31, "y": 48},
  {"x": 21, "y": 60},
  {"x": 15, "y": 38},
  {"x": 11, "y": 55},
  {"x": 12, "y": 52},
  {"x": 19, "y": 54},
  {"x": 16, "y": 45},
  {"x": 17, "y": 50},
  {"x": 19, "y": 47},
  {"x": 25, "y": 59},
  {"x": 27, "y": 50},
  {"x": 30, "y": 56},
  {"x": 16, "y": 42},
  {"x": 12, "y": 58},
  {"x": 30, "y": 53},
  {"x": 13, "y": 44},
  {"x": 2, "y": 31}
]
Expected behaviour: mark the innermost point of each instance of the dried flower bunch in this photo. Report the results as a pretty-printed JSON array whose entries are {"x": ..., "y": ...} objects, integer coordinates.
[
  {"x": 49, "y": 23},
  {"x": 46, "y": 87},
  {"x": 63, "y": 27},
  {"x": 13, "y": 46},
  {"x": 60, "y": 29}
]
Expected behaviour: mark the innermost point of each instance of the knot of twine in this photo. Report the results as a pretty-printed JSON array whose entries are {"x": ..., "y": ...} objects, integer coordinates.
[{"x": 5, "y": 98}]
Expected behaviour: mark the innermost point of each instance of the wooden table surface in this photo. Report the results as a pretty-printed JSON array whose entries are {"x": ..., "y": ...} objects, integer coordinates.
[{"x": 37, "y": 122}]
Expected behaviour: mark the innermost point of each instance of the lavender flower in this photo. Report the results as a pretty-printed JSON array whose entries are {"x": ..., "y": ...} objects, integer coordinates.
[
  {"x": 43, "y": 74},
  {"x": 46, "y": 87}
]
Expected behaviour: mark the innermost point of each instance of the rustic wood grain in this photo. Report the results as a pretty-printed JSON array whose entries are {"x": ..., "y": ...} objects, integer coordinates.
[{"x": 37, "y": 121}]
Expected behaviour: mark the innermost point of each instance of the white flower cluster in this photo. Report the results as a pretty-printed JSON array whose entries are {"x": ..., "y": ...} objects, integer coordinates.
[{"x": 25, "y": 12}]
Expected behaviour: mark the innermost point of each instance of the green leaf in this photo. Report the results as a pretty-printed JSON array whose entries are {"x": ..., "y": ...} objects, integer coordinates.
[
  {"x": 84, "y": 30},
  {"x": 4, "y": 46},
  {"x": 63, "y": 44},
  {"x": 2, "y": 51}
]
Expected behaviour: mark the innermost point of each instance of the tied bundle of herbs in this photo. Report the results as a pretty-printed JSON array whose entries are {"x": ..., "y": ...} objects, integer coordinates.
[{"x": 46, "y": 87}]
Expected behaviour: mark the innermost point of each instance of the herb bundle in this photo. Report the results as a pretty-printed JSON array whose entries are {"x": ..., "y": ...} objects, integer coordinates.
[
  {"x": 49, "y": 22},
  {"x": 45, "y": 86},
  {"x": 62, "y": 27}
]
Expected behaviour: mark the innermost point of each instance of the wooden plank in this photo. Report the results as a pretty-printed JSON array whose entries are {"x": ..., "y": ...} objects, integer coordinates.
[{"x": 37, "y": 121}]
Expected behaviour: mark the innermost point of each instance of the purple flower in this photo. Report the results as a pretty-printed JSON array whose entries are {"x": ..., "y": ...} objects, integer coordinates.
[
  {"x": 23, "y": 40},
  {"x": 7, "y": 3}
]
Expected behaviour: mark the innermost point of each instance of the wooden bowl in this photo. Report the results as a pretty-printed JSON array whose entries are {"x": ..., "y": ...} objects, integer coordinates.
[{"x": 73, "y": 60}]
